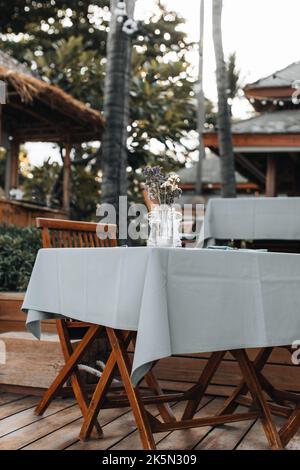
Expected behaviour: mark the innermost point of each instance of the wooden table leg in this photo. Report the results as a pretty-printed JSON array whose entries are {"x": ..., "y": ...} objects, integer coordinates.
[
  {"x": 231, "y": 404},
  {"x": 291, "y": 426},
  {"x": 67, "y": 369},
  {"x": 119, "y": 358},
  {"x": 198, "y": 390},
  {"x": 259, "y": 400}
]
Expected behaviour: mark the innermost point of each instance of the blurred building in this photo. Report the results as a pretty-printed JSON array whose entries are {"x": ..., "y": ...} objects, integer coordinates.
[
  {"x": 211, "y": 180},
  {"x": 267, "y": 146}
]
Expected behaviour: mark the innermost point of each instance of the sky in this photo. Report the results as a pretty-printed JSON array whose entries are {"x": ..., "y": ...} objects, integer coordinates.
[{"x": 265, "y": 35}]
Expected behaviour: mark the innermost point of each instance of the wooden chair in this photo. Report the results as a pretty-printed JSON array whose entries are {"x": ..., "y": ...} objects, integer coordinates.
[{"x": 58, "y": 233}]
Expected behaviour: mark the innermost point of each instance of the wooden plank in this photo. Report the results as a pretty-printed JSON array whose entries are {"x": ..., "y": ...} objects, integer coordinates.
[
  {"x": 11, "y": 325},
  {"x": 114, "y": 431},
  {"x": 278, "y": 356},
  {"x": 188, "y": 439},
  {"x": 225, "y": 437},
  {"x": 16, "y": 406},
  {"x": 256, "y": 439},
  {"x": 20, "y": 391},
  {"x": 24, "y": 214},
  {"x": 132, "y": 440},
  {"x": 13, "y": 296},
  {"x": 41, "y": 360},
  {"x": 68, "y": 435},
  {"x": 294, "y": 443},
  {"x": 11, "y": 316},
  {"x": 28, "y": 417},
  {"x": 9, "y": 397},
  {"x": 35, "y": 430},
  {"x": 182, "y": 369}
]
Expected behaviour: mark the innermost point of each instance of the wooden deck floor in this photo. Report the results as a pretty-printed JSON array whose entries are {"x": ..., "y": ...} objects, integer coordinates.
[{"x": 58, "y": 429}]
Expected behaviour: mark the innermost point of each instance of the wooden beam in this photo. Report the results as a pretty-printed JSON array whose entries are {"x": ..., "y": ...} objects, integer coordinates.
[
  {"x": 217, "y": 185},
  {"x": 256, "y": 140},
  {"x": 270, "y": 92},
  {"x": 67, "y": 178},
  {"x": 271, "y": 178},
  {"x": 12, "y": 167},
  {"x": 250, "y": 167}
]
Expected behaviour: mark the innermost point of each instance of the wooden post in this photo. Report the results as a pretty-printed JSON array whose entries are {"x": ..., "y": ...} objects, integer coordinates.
[
  {"x": 200, "y": 106},
  {"x": 271, "y": 177},
  {"x": 67, "y": 178},
  {"x": 12, "y": 167},
  {"x": 2, "y": 101}
]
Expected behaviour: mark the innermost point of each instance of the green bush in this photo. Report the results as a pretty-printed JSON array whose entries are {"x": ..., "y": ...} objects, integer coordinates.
[{"x": 18, "y": 249}]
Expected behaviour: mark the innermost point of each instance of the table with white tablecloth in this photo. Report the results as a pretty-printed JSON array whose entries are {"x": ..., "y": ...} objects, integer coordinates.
[
  {"x": 179, "y": 301},
  {"x": 252, "y": 218}
]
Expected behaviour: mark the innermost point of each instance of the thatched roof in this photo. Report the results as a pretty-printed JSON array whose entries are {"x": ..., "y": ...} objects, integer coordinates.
[
  {"x": 37, "y": 110},
  {"x": 9, "y": 62}
]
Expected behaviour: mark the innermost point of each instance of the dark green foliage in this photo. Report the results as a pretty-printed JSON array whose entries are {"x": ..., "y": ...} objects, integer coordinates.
[
  {"x": 38, "y": 187},
  {"x": 233, "y": 76},
  {"x": 41, "y": 24},
  {"x": 45, "y": 186},
  {"x": 18, "y": 249},
  {"x": 85, "y": 193}
]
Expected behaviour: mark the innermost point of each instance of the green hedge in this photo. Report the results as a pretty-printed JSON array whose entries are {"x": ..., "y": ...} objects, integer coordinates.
[{"x": 18, "y": 249}]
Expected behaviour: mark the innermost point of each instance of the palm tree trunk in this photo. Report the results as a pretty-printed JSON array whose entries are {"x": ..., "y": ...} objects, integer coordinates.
[
  {"x": 200, "y": 105},
  {"x": 224, "y": 123},
  {"x": 116, "y": 109}
]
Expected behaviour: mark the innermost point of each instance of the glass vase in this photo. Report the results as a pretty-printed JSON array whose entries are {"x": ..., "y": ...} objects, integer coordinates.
[{"x": 164, "y": 223}]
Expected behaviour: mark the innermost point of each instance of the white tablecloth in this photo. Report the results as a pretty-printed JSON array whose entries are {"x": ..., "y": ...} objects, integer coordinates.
[
  {"x": 255, "y": 218},
  {"x": 179, "y": 300}
]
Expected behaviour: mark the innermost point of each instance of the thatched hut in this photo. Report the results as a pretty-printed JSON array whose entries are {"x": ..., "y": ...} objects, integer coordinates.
[{"x": 37, "y": 111}]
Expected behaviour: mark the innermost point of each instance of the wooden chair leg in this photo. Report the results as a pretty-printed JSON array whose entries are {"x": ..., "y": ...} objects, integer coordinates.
[
  {"x": 98, "y": 397},
  {"x": 67, "y": 369},
  {"x": 231, "y": 404},
  {"x": 133, "y": 394},
  {"x": 101, "y": 390},
  {"x": 104, "y": 383},
  {"x": 259, "y": 400},
  {"x": 164, "y": 409},
  {"x": 76, "y": 379},
  {"x": 200, "y": 388}
]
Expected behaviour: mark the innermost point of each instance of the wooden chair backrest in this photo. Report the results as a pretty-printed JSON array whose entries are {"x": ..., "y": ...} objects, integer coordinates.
[
  {"x": 57, "y": 233},
  {"x": 149, "y": 203}
]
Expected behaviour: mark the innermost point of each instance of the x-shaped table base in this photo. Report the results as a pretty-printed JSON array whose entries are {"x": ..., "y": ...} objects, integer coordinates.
[{"x": 147, "y": 424}]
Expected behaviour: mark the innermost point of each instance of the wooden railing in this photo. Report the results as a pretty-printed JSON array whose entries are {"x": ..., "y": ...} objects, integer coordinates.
[{"x": 23, "y": 214}]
